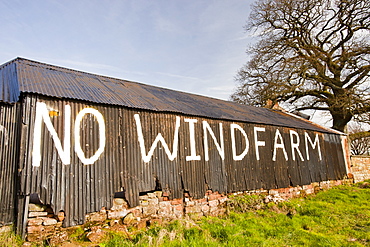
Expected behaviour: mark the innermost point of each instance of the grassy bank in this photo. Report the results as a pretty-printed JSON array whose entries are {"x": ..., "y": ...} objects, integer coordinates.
[{"x": 336, "y": 217}]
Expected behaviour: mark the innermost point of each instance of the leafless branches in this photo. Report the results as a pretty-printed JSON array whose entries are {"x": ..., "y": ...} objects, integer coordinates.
[{"x": 313, "y": 54}]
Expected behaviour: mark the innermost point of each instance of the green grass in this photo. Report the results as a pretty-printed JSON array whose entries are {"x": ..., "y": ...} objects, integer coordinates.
[
  {"x": 9, "y": 239},
  {"x": 336, "y": 217}
]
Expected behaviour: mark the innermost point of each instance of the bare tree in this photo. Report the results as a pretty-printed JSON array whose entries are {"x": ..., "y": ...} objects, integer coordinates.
[
  {"x": 360, "y": 144},
  {"x": 312, "y": 54}
]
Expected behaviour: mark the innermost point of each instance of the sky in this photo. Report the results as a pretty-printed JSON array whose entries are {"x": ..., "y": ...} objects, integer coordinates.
[{"x": 194, "y": 46}]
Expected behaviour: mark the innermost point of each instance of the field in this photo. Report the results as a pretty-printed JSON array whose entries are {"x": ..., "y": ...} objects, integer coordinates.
[{"x": 336, "y": 217}]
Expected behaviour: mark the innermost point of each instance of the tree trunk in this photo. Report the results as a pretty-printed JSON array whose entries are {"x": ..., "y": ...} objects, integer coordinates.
[{"x": 340, "y": 119}]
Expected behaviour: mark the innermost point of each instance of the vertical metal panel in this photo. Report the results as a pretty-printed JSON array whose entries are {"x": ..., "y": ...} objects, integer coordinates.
[
  {"x": 295, "y": 166},
  {"x": 78, "y": 188},
  {"x": 280, "y": 169},
  {"x": 9, "y": 155},
  {"x": 193, "y": 172},
  {"x": 336, "y": 158},
  {"x": 266, "y": 172},
  {"x": 215, "y": 167}
]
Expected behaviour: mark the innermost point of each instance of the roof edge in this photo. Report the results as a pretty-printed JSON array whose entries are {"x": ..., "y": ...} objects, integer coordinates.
[{"x": 313, "y": 123}]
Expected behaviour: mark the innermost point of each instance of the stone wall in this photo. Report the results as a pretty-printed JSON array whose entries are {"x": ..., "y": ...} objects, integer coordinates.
[
  {"x": 155, "y": 207},
  {"x": 42, "y": 222},
  {"x": 360, "y": 168}
]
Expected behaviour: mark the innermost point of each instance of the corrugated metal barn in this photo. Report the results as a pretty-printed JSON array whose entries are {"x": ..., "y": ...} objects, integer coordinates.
[{"x": 76, "y": 139}]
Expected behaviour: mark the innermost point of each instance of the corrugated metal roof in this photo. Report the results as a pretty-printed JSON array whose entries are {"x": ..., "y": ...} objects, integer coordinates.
[
  {"x": 23, "y": 75},
  {"x": 9, "y": 86}
]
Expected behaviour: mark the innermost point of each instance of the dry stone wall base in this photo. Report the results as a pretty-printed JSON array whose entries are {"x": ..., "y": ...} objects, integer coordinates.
[
  {"x": 154, "y": 208},
  {"x": 42, "y": 223},
  {"x": 360, "y": 168}
]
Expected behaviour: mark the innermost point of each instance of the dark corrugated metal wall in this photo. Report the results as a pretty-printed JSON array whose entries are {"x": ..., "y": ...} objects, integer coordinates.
[
  {"x": 9, "y": 155},
  {"x": 78, "y": 189}
]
